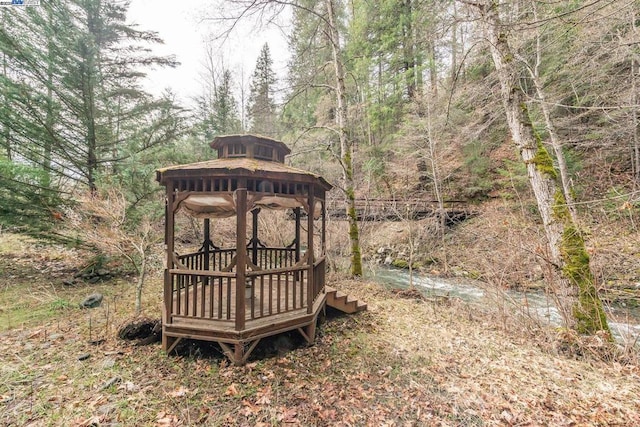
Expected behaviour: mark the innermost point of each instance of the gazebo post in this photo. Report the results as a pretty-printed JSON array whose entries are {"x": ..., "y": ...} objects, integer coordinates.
[
  {"x": 324, "y": 227},
  {"x": 310, "y": 257},
  {"x": 254, "y": 236},
  {"x": 297, "y": 239},
  {"x": 206, "y": 245},
  {"x": 167, "y": 342},
  {"x": 241, "y": 256}
]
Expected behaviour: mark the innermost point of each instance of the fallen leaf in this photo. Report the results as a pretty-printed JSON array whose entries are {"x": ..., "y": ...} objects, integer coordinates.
[
  {"x": 179, "y": 392},
  {"x": 232, "y": 390}
]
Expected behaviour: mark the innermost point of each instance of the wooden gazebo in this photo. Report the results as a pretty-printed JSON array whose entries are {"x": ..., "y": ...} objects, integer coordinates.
[{"x": 237, "y": 295}]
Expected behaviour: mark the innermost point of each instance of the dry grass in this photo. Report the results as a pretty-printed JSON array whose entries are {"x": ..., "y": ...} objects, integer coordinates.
[{"x": 403, "y": 362}]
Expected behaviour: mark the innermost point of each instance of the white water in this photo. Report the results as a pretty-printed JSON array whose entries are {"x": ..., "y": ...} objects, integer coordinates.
[{"x": 624, "y": 322}]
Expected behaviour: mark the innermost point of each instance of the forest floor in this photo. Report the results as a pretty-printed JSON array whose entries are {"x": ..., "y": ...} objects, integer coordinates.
[{"x": 403, "y": 362}]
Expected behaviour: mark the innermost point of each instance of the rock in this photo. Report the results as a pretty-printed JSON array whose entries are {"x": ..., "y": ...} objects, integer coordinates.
[
  {"x": 107, "y": 409},
  {"x": 388, "y": 260},
  {"x": 112, "y": 381},
  {"x": 84, "y": 356},
  {"x": 102, "y": 272},
  {"x": 69, "y": 282},
  {"x": 92, "y": 301}
]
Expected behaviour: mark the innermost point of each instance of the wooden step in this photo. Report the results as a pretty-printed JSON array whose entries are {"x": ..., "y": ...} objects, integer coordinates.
[{"x": 343, "y": 302}]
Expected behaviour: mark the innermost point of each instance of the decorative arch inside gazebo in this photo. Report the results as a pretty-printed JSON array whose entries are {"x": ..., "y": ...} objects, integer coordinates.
[{"x": 237, "y": 295}]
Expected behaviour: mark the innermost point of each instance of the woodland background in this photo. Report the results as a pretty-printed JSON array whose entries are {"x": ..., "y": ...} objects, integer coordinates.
[
  {"x": 423, "y": 120},
  {"x": 417, "y": 115}
]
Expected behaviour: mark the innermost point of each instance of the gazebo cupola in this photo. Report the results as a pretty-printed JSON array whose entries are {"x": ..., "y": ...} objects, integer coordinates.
[
  {"x": 251, "y": 147},
  {"x": 237, "y": 295}
]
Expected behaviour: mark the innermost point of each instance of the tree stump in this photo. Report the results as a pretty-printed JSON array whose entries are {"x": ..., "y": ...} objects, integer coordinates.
[{"x": 143, "y": 330}]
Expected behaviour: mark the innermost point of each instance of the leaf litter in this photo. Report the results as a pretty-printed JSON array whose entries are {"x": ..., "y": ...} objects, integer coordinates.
[{"x": 403, "y": 362}]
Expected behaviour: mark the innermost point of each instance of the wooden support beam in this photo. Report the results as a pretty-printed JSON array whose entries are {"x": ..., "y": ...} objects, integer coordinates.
[
  {"x": 206, "y": 245},
  {"x": 254, "y": 236},
  {"x": 249, "y": 350},
  {"x": 169, "y": 248},
  {"x": 226, "y": 349},
  {"x": 297, "y": 239},
  {"x": 324, "y": 227},
  {"x": 309, "y": 333},
  {"x": 310, "y": 257},
  {"x": 170, "y": 343},
  {"x": 241, "y": 256}
]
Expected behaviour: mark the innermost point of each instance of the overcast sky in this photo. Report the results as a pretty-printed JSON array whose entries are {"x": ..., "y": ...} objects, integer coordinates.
[{"x": 184, "y": 32}]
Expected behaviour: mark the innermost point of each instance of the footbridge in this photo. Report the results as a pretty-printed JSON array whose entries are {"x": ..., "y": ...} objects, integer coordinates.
[{"x": 453, "y": 211}]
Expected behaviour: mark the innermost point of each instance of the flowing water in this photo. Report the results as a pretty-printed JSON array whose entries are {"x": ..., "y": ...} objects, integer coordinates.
[{"x": 624, "y": 322}]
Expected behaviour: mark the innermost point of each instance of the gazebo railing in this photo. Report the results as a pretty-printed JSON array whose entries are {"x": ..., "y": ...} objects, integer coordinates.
[
  {"x": 201, "y": 294},
  {"x": 270, "y": 258},
  {"x": 197, "y": 293},
  {"x": 276, "y": 291},
  {"x": 220, "y": 259}
]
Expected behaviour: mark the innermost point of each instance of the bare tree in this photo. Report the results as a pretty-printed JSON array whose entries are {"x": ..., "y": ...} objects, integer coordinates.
[
  {"x": 575, "y": 292},
  {"x": 104, "y": 222},
  {"x": 534, "y": 73}
]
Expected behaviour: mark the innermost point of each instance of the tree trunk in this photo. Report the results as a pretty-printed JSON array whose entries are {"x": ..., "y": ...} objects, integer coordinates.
[
  {"x": 576, "y": 294},
  {"x": 557, "y": 149},
  {"x": 346, "y": 146},
  {"x": 140, "y": 284},
  {"x": 49, "y": 119},
  {"x": 634, "y": 121},
  {"x": 6, "y": 132},
  {"x": 635, "y": 157},
  {"x": 409, "y": 49},
  {"x": 435, "y": 176},
  {"x": 454, "y": 45},
  {"x": 534, "y": 72}
]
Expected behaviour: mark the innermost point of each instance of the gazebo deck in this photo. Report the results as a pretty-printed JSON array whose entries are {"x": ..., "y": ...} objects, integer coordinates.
[
  {"x": 256, "y": 328},
  {"x": 264, "y": 297},
  {"x": 205, "y": 301}
]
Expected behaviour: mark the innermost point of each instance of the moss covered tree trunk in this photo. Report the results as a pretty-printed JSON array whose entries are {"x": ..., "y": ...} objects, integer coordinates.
[
  {"x": 346, "y": 145},
  {"x": 575, "y": 291}
]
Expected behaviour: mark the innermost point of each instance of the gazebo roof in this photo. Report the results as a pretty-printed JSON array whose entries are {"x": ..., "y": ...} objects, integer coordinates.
[
  {"x": 240, "y": 167},
  {"x": 250, "y": 162}
]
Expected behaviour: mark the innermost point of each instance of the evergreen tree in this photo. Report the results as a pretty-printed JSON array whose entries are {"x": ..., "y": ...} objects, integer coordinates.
[
  {"x": 217, "y": 108},
  {"x": 74, "y": 108},
  {"x": 308, "y": 77},
  {"x": 387, "y": 45},
  {"x": 262, "y": 107}
]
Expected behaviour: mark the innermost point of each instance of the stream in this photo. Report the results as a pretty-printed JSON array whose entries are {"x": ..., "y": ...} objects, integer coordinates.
[{"x": 623, "y": 321}]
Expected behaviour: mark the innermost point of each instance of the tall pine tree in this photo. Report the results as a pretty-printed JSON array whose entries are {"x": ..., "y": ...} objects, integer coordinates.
[
  {"x": 217, "y": 112},
  {"x": 262, "y": 109}
]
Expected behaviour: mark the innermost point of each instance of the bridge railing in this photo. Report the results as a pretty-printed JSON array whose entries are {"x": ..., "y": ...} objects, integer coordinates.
[{"x": 401, "y": 209}]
